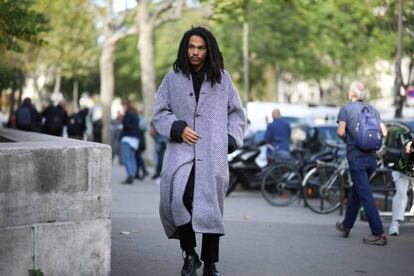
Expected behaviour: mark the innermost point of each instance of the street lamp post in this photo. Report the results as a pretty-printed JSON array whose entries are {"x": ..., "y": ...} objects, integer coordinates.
[{"x": 398, "y": 98}]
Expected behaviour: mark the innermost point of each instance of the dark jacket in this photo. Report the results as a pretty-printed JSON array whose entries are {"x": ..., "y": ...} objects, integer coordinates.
[
  {"x": 130, "y": 125},
  {"x": 34, "y": 117},
  {"x": 406, "y": 163},
  {"x": 56, "y": 118}
]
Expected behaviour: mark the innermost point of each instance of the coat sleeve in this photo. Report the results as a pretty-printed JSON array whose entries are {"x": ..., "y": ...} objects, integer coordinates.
[
  {"x": 163, "y": 117},
  {"x": 236, "y": 117}
]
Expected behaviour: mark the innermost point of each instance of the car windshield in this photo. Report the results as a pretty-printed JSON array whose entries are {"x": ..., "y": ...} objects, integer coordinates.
[{"x": 328, "y": 133}]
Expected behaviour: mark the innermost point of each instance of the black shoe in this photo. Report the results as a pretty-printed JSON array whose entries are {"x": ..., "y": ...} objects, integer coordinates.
[
  {"x": 155, "y": 176},
  {"x": 340, "y": 227},
  {"x": 210, "y": 270},
  {"x": 191, "y": 264},
  {"x": 128, "y": 180}
]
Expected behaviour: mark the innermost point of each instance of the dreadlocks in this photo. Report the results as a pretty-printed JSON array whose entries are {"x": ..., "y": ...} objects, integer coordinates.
[{"x": 214, "y": 64}]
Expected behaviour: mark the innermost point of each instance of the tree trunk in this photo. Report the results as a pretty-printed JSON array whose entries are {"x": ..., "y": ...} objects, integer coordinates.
[
  {"x": 75, "y": 95},
  {"x": 246, "y": 60},
  {"x": 56, "y": 89},
  {"x": 11, "y": 108},
  {"x": 146, "y": 49},
  {"x": 19, "y": 100},
  {"x": 106, "y": 63},
  {"x": 410, "y": 79},
  {"x": 106, "y": 68},
  {"x": 398, "y": 99}
]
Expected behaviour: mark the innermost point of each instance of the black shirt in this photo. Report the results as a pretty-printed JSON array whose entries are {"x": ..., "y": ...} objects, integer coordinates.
[{"x": 198, "y": 78}]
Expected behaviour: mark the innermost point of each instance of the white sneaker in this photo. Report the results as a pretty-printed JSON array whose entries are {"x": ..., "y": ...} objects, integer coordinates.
[{"x": 394, "y": 229}]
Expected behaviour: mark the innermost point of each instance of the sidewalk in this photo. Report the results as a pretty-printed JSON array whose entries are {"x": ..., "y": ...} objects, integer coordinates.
[{"x": 260, "y": 239}]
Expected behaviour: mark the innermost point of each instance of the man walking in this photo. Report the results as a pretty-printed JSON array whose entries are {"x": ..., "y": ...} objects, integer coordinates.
[
  {"x": 199, "y": 110},
  {"x": 362, "y": 163}
]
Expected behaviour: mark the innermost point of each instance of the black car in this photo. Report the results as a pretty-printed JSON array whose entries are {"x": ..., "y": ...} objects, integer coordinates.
[
  {"x": 308, "y": 135},
  {"x": 313, "y": 137}
]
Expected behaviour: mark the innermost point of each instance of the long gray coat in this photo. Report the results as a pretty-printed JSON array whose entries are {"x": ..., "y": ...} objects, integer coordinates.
[{"x": 219, "y": 112}]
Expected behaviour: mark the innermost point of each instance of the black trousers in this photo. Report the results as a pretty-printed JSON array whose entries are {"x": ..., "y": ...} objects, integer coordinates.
[{"x": 210, "y": 246}]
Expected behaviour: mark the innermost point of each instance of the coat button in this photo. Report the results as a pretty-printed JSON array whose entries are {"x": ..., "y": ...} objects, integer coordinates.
[{"x": 191, "y": 94}]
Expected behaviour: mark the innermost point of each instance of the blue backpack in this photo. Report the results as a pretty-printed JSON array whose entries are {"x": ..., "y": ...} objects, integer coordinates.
[
  {"x": 23, "y": 118},
  {"x": 368, "y": 130}
]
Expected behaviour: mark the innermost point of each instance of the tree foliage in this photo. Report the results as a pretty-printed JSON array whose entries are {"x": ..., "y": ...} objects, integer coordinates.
[
  {"x": 19, "y": 22},
  {"x": 19, "y": 26},
  {"x": 72, "y": 42},
  {"x": 314, "y": 40}
]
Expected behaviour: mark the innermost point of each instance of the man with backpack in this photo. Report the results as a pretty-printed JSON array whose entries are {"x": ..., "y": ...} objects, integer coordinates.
[
  {"x": 55, "y": 119},
  {"x": 27, "y": 117},
  {"x": 361, "y": 128}
]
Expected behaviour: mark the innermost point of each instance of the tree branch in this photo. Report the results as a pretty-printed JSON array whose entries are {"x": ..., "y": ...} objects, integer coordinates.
[
  {"x": 161, "y": 9},
  {"x": 120, "y": 35},
  {"x": 118, "y": 22},
  {"x": 175, "y": 13}
]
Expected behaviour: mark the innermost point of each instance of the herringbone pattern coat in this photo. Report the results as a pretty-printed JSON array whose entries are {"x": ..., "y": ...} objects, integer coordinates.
[{"x": 219, "y": 112}]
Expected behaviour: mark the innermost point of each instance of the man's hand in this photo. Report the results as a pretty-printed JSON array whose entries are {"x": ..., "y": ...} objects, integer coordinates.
[
  {"x": 190, "y": 136},
  {"x": 408, "y": 147}
]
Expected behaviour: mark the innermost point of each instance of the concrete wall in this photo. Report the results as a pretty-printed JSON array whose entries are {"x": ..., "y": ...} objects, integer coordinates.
[{"x": 55, "y": 203}]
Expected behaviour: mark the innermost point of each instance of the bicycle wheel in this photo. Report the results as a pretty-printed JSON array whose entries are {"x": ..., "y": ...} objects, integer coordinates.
[
  {"x": 321, "y": 190},
  {"x": 281, "y": 184}
]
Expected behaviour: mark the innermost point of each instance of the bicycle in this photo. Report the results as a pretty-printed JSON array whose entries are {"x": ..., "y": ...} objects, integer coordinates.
[
  {"x": 327, "y": 186},
  {"x": 281, "y": 184},
  {"x": 282, "y": 181}
]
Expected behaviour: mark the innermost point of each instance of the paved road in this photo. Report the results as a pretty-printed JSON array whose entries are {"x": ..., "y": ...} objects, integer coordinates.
[{"x": 260, "y": 239}]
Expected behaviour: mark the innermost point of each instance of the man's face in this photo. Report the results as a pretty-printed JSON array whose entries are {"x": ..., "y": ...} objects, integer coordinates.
[{"x": 197, "y": 51}]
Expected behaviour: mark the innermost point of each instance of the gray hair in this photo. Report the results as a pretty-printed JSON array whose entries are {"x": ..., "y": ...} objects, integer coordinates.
[
  {"x": 358, "y": 89},
  {"x": 275, "y": 113}
]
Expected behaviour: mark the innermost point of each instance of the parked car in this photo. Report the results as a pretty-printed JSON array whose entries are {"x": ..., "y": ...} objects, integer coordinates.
[{"x": 313, "y": 137}]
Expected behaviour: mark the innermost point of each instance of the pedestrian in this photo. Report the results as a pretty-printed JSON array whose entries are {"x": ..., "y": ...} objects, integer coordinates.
[
  {"x": 76, "y": 125},
  {"x": 159, "y": 150},
  {"x": 199, "y": 110},
  {"x": 115, "y": 134},
  {"x": 278, "y": 135},
  {"x": 129, "y": 141},
  {"x": 402, "y": 176},
  {"x": 55, "y": 118},
  {"x": 362, "y": 163},
  {"x": 142, "y": 147},
  {"x": 27, "y": 117}
]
